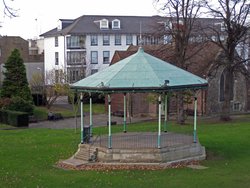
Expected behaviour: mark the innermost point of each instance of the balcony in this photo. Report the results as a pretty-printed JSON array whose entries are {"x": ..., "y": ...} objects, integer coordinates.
[{"x": 76, "y": 42}]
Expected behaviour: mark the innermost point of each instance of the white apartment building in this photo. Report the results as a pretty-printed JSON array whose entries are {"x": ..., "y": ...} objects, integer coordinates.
[
  {"x": 87, "y": 44},
  {"x": 83, "y": 46}
]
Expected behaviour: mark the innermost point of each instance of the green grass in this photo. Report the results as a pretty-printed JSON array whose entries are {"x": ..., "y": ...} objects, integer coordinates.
[
  {"x": 41, "y": 112},
  {"x": 27, "y": 157}
]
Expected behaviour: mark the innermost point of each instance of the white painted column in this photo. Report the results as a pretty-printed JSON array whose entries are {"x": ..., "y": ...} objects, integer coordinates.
[
  {"x": 159, "y": 124},
  {"x": 195, "y": 119},
  {"x": 90, "y": 115},
  {"x": 109, "y": 123},
  {"x": 82, "y": 120},
  {"x": 124, "y": 114},
  {"x": 166, "y": 113}
]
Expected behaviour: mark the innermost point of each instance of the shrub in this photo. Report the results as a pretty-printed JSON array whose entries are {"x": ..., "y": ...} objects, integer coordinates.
[
  {"x": 14, "y": 118},
  {"x": 4, "y": 116},
  {"x": 18, "y": 119},
  {"x": 19, "y": 104}
]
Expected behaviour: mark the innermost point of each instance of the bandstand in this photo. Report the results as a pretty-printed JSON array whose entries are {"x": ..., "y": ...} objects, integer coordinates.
[{"x": 139, "y": 73}]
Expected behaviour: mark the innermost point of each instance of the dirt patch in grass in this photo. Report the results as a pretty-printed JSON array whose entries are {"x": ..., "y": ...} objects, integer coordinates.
[{"x": 116, "y": 166}]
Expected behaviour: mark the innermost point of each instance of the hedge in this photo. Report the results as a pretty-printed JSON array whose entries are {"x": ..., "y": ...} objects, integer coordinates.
[{"x": 14, "y": 118}]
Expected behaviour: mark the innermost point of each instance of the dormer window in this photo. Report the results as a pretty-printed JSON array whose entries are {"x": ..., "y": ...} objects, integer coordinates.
[
  {"x": 116, "y": 24},
  {"x": 104, "y": 24},
  {"x": 168, "y": 25},
  {"x": 221, "y": 26}
]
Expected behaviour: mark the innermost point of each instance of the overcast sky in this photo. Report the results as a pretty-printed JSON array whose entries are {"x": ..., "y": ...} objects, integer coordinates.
[{"x": 39, "y": 16}]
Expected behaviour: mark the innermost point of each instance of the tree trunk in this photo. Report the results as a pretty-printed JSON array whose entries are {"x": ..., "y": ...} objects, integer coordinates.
[
  {"x": 228, "y": 95},
  {"x": 180, "y": 109}
]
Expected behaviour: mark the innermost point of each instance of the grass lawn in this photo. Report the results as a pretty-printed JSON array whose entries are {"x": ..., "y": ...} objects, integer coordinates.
[
  {"x": 41, "y": 112},
  {"x": 27, "y": 157}
]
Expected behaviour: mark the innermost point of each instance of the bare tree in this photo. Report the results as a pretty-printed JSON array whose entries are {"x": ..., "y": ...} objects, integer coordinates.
[
  {"x": 51, "y": 87},
  {"x": 56, "y": 86},
  {"x": 234, "y": 16},
  {"x": 182, "y": 15},
  {"x": 9, "y": 11},
  {"x": 75, "y": 101}
]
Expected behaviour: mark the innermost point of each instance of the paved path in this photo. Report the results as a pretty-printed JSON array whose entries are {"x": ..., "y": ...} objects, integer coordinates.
[{"x": 98, "y": 120}]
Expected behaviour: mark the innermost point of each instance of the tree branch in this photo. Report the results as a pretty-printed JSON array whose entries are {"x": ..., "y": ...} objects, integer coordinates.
[{"x": 9, "y": 11}]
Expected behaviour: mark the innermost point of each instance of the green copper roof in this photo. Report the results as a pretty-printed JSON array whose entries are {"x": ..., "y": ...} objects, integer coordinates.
[{"x": 140, "y": 72}]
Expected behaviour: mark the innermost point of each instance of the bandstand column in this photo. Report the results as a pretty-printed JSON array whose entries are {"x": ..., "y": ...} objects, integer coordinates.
[
  {"x": 125, "y": 114},
  {"x": 195, "y": 118},
  {"x": 90, "y": 115},
  {"x": 109, "y": 123},
  {"x": 82, "y": 120},
  {"x": 159, "y": 123},
  {"x": 166, "y": 113}
]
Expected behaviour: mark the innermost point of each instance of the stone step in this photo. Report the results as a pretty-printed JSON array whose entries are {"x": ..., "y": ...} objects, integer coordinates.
[
  {"x": 84, "y": 153},
  {"x": 82, "y": 156}
]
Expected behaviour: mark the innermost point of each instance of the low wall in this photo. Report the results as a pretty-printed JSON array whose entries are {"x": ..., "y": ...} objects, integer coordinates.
[{"x": 180, "y": 153}]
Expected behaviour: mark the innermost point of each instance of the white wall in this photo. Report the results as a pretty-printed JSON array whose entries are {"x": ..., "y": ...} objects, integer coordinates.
[
  {"x": 49, "y": 53},
  {"x": 100, "y": 48}
]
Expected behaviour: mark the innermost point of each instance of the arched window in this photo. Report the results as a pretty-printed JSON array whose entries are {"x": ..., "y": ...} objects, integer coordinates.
[
  {"x": 222, "y": 87},
  {"x": 223, "y": 79}
]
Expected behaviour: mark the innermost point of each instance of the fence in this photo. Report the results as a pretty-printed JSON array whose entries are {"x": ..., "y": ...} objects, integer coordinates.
[{"x": 143, "y": 140}]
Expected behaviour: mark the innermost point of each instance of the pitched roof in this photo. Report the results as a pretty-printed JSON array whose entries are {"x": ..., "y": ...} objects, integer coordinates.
[
  {"x": 89, "y": 24},
  {"x": 140, "y": 72}
]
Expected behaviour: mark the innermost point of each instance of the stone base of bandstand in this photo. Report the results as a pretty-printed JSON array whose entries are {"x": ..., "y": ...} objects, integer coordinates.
[
  {"x": 193, "y": 152},
  {"x": 141, "y": 148}
]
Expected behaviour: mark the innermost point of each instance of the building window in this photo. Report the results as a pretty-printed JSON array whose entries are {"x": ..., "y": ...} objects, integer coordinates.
[
  {"x": 104, "y": 24},
  {"x": 56, "y": 58},
  {"x": 129, "y": 39},
  {"x": 106, "y": 40},
  {"x": 76, "y": 58},
  {"x": 75, "y": 74},
  {"x": 75, "y": 42},
  {"x": 236, "y": 106},
  {"x": 168, "y": 38},
  {"x": 118, "y": 40},
  {"x": 222, "y": 27},
  {"x": 116, "y": 24},
  {"x": 94, "y": 57},
  {"x": 93, "y": 40},
  {"x": 106, "y": 57},
  {"x": 56, "y": 41},
  {"x": 93, "y": 71}
]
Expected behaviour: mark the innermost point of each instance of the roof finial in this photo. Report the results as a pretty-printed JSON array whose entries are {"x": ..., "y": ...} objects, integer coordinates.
[{"x": 140, "y": 39}]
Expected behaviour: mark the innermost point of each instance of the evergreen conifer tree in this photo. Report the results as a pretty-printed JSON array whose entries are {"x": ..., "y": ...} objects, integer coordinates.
[{"x": 15, "y": 83}]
